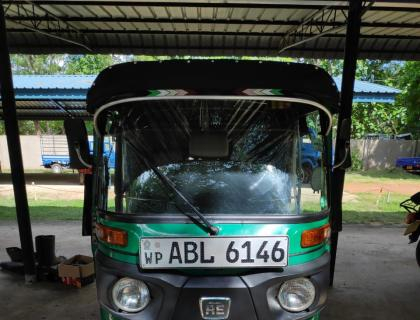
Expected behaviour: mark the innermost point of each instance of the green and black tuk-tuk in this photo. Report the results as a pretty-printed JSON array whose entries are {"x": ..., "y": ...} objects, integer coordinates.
[{"x": 205, "y": 215}]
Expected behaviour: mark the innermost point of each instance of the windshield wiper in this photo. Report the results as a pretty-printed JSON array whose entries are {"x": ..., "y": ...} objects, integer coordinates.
[{"x": 213, "y": 230}]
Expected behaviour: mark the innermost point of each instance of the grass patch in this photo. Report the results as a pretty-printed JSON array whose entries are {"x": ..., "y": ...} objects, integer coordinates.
[
  {"x": 366, "y": 208},
  {"x": 44, "y": 209},
  {"x": 381, "y": 176},
  {"x": 370, "y": 207}
]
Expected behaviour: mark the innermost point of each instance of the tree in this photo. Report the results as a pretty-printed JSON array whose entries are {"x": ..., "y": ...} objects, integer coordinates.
[
  {"x": 37, "y": 64},
  {"x": 89, "y": 64},
  {"x": 409, "y": 77}
]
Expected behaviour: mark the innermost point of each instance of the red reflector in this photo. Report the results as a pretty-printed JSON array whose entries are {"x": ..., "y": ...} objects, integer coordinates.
[
  {"x": 111, "y": 235},
  {"x": 314, "y": 237}
]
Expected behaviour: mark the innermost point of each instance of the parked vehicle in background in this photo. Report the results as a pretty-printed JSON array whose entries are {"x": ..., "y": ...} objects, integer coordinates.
[
  {"x": 411, "y": 165},
  {"x": 412, "y": 206},
  {"x": 310, "y": 156},
  {"x": 55, "y": 152}
]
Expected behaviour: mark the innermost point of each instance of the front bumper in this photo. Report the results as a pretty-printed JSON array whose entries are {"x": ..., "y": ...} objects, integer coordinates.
[{"x": 176, "y": 296}]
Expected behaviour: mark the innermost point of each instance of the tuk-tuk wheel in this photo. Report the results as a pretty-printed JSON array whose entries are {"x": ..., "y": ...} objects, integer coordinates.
[{"x": 418, "y": 253}]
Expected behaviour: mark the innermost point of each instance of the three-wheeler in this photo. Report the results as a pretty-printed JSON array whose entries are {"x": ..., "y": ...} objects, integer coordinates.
[{"x": 206, "y": 214}]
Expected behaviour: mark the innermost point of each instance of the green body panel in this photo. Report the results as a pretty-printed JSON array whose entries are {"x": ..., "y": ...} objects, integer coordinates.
[{"x": 130, "y": 253}]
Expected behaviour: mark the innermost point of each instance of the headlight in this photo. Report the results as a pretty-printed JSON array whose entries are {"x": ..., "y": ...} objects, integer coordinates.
[
  {"x": 130, "y": 295},
  {"x": 296, "y": 295}
]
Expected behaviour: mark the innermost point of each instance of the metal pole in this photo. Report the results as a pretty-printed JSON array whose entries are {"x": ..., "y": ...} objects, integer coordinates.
[
  {"x": 347, "y": 88},
  {"x": 15, "y": 154}
]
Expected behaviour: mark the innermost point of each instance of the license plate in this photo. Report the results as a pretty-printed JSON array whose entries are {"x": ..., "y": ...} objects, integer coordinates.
[{"x": 214, "y": 252}]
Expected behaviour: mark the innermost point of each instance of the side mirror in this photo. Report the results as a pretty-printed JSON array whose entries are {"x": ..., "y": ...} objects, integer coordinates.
[
  {"x": 344, "y": 152},
  {"x": 316, "y": 179},
  {"x": 80, "y": 158},
  {"x": 77, "y": 140},
  {"x": 345, "y": 129}
]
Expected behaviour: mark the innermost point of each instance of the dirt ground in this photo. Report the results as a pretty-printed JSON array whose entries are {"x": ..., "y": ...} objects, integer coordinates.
[
  {"x": 377, "y": 278},
  {"x": 405, "y": 188},
  {"x": 46, "y": 186},
  {"x": 67, "y": 187}
]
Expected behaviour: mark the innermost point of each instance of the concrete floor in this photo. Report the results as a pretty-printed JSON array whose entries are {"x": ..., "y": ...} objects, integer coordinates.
[{"x": 376, "y": 278}]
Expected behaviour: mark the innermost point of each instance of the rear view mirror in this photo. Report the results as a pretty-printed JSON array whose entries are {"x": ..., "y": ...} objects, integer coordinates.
[
  {"x": 77, "y": 140},
  {"x": 345, "y": 129},
  {"x": 209, "y": 145},
  {"x": 80, "y": 158}
]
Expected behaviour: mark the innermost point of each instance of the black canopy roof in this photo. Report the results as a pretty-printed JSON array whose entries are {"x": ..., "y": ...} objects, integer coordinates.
[{"x": 213, "y": 77}]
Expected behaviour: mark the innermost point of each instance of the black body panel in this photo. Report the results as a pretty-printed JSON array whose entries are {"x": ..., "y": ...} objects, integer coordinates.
[
  {"x": 176, "y": 296},
  {"x": 218, "y": 77}
]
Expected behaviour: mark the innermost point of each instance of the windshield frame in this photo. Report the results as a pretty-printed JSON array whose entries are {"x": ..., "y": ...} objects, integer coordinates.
[
  {"x": 223, "y": 217},
  {"x": 309, "y": 102}
]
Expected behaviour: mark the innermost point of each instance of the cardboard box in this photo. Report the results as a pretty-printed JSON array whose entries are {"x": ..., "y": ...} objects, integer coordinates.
[{"x": 77, "y": 271}]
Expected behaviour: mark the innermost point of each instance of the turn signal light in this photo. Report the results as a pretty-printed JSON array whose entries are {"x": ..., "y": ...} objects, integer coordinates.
[
  {"x": 314, "y": 237},
  {"x": 111, "y": 235}
]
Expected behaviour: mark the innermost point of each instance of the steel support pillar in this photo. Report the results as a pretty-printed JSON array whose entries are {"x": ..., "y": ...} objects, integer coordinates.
[
  {"x": 343, "y": 136},
  {"x": 15, "y": 153}
]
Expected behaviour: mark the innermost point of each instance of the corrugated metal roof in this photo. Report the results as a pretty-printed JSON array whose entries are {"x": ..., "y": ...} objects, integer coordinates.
[
  {"x": 40, "y": 82},
  {"x": 368, "y": 87},
  {"x": 390, "y": 30},
  {"x": 58, "y": 96},
  {"x": 365, "y": 91}
]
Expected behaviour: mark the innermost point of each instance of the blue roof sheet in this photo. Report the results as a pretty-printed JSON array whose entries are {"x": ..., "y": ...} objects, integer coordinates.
[
  {"x": 368, "y": 87},
  {"x": 74, "y": 87},
  {"x": 53, "y": 81},
  {"x": 365, "y": 91}
]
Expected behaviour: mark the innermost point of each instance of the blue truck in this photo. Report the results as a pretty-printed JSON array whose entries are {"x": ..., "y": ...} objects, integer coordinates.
[
  {"x": 55, "y": 152},
  {"x": 411, "y": 165},
  {"x": 310, "y": 157}
]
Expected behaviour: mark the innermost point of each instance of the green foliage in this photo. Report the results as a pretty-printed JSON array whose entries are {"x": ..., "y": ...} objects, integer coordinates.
[
  {"x": 356, "y": 160},
  {"x": 88, "y": 64},
  {"x": 30, "y": 127},
  {"x": 37, "y": 64},
  {"x": 333, "y": 67},
  {"x": 409, "y": 82},
  {"x": 378, "y": 118}
]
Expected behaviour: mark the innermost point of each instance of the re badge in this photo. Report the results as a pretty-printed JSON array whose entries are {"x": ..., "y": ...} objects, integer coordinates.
[{"x": 214, "y": 308}]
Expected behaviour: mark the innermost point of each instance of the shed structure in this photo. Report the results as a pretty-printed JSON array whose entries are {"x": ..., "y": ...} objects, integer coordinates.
[
  {"x": 382, "y": 29},
  {"x": 311, "y": 29}
]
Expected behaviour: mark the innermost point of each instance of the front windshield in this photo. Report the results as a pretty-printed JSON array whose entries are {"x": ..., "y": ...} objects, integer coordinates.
[{"x": 254, "y": 168}]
